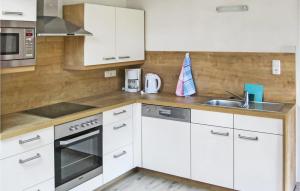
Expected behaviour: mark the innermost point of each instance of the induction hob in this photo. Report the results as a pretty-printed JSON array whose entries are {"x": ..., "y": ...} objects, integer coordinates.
[{"x": 58, "y": 110}]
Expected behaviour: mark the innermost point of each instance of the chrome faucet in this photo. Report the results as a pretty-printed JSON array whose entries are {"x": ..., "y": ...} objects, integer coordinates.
[{"x": 245, "y": 98}]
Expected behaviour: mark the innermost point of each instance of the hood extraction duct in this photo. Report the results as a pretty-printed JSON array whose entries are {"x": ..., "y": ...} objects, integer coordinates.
[{"x": 49, "y": 24}]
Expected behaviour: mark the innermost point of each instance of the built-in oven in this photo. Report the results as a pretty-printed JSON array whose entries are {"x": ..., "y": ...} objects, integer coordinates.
[
  {"x": 17, "y": 43},
  {"x": 78, "y": 152}
]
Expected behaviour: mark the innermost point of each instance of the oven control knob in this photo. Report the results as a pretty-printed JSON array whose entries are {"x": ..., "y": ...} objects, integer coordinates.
[{"x": 72, "y": 128}]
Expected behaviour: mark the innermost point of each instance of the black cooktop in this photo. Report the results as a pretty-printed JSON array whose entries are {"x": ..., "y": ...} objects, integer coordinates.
[{"x": 58, "y": 110}]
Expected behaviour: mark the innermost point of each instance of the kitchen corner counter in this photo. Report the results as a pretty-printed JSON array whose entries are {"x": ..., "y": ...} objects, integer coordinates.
[{"x": 20, "y": 123}]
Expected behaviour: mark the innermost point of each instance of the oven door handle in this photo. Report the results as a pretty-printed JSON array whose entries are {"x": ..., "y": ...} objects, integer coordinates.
[{"x": 64, "y": 143}]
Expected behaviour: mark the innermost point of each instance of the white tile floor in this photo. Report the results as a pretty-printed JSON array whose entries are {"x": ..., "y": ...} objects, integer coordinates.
[{"x": 142, "y": 181}]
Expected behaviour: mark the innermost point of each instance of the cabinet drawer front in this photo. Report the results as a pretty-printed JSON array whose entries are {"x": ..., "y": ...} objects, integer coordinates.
[
  {"x": 31, "y": 167},
  {"x": 118, "y": 114},
  {"x": 259, "y": 124},
  {"x": 258, "y": 161},
  {"x": 209, "y": 145},
  {"x": 26, "y": 142},
  {"x": 117, "y": 163},
  {"x": 44, "y": 186},
  {"x": 212, "y": 118},
  {"x": 117, "y": 135}
]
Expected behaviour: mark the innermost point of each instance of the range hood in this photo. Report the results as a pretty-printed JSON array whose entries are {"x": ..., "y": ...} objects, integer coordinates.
[{"x": 49, "y": 24}]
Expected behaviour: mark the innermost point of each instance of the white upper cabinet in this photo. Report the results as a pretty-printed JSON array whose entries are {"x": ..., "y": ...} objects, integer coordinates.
[
  {"x": 99, "y": 48},
  {"x": 130, "y": 34},
  {"x": 18, "y": 10}
]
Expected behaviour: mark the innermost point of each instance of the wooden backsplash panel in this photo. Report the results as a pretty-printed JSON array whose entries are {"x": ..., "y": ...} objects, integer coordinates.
[
  {"x": 49, "y": 83},
  {"x": 216, "y": 72}
]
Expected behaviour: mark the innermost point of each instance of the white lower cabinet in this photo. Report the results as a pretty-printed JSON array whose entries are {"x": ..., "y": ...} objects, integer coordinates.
[
  {"x": 258, "y": 160},
  {"x": 44, "y": 186},
  {"x": 117, "y": 163},
  {"x": 166, "y": 146},
  {"x": 27, "y": 169},
  {"x": 212, "y": 155}
]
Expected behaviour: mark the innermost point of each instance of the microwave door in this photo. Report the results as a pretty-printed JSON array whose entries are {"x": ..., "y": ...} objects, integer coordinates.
[{"x": 12, "y": 43}]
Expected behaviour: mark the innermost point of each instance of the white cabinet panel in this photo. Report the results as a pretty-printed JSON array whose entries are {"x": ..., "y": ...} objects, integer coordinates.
[
  {"x": 166, "y": 146},
  {"x": 99, "y": 48},
  {"x": 18, "y": 10},
  {"x": 212, "y": 118},
  {"x": 31, "y": 167},
  {"x": 48, "y": 185},
  {"x": 212, "y": 155},
  {"x": 117, "y": 135},
  {"x": 117, "y": 163},
  {"x": 259, "y": 124},
  {"x": 118, "y": 114},
  {"x": 258, "y": 161},
  {"x": 26, "y": 142},
  {"x": 130, "y": 34},
  {"x": 137, "y": 134}
]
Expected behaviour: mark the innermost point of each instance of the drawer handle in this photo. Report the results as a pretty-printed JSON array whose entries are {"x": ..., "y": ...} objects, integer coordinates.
[
  {"x": 22, "y": 161},
  {"x": 21, "y": 142},
  {"x": 124, "y": 57},
  {"x": 219, "y": 133},
  {"x": 119, "y": 113},
  {"x": 109, "y": 58},
  {"x": 119, "y": 127},
  {"x": 119, "y": 155},
  {"x": 12, "y": 13},
  {"x": 248, "y": 138}
]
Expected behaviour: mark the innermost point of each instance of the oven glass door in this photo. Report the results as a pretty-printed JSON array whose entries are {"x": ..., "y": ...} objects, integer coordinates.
[
  {"x": 77, "y": 154},
  {"x": 12, "y": 43}
]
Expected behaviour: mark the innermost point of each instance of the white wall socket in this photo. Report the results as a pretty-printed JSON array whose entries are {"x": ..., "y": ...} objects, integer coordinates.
[
  {"x": 276, "y": 67},
  {"x": 110, "y": 73}
]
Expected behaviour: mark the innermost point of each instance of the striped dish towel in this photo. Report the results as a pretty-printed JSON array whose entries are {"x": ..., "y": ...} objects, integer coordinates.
[{"x": 185, "y": 85}]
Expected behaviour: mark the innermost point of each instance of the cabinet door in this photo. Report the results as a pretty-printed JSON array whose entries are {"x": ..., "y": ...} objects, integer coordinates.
[
  {"x": 130, "y": 34},
  {"x": 166, "y": 146},
  {"x": 212, "y": 155},
  {"x": 258, "y": 161},
  {"x": 18, "y": 10},
  {"x": 100, "y": 47}
]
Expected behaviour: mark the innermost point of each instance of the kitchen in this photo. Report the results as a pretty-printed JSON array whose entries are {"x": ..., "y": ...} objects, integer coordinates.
[{"x": 100, "y": 104}]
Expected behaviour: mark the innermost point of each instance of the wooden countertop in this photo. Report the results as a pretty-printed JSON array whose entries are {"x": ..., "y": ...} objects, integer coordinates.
[{"x": 20, "y": 123}]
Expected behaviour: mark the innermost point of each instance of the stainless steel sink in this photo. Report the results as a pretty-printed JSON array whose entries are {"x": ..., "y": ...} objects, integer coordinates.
[
  {"x": 260, "y": 106},
  {"x": 225, "y": 103}
]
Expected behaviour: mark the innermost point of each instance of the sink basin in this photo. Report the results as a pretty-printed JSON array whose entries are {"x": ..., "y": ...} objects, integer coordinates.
[
  {"x": 224, "y": 103},
  {"x": 260, "y": 106}
]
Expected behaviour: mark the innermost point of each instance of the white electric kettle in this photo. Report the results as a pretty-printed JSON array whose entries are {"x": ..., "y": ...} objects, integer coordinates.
[{"x": 152, "y": 83}]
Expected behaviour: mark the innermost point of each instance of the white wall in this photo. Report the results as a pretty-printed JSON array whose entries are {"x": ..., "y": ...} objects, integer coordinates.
[
  {"x": 298, "y": 96},
  {"x": 269, "y": 26}
]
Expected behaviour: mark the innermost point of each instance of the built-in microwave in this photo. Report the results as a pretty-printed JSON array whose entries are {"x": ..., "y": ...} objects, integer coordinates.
[{"x": 17, "y": 43}]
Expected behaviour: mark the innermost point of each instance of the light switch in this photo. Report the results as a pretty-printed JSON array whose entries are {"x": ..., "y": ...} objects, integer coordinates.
[{"x": 276, "y": 67}]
